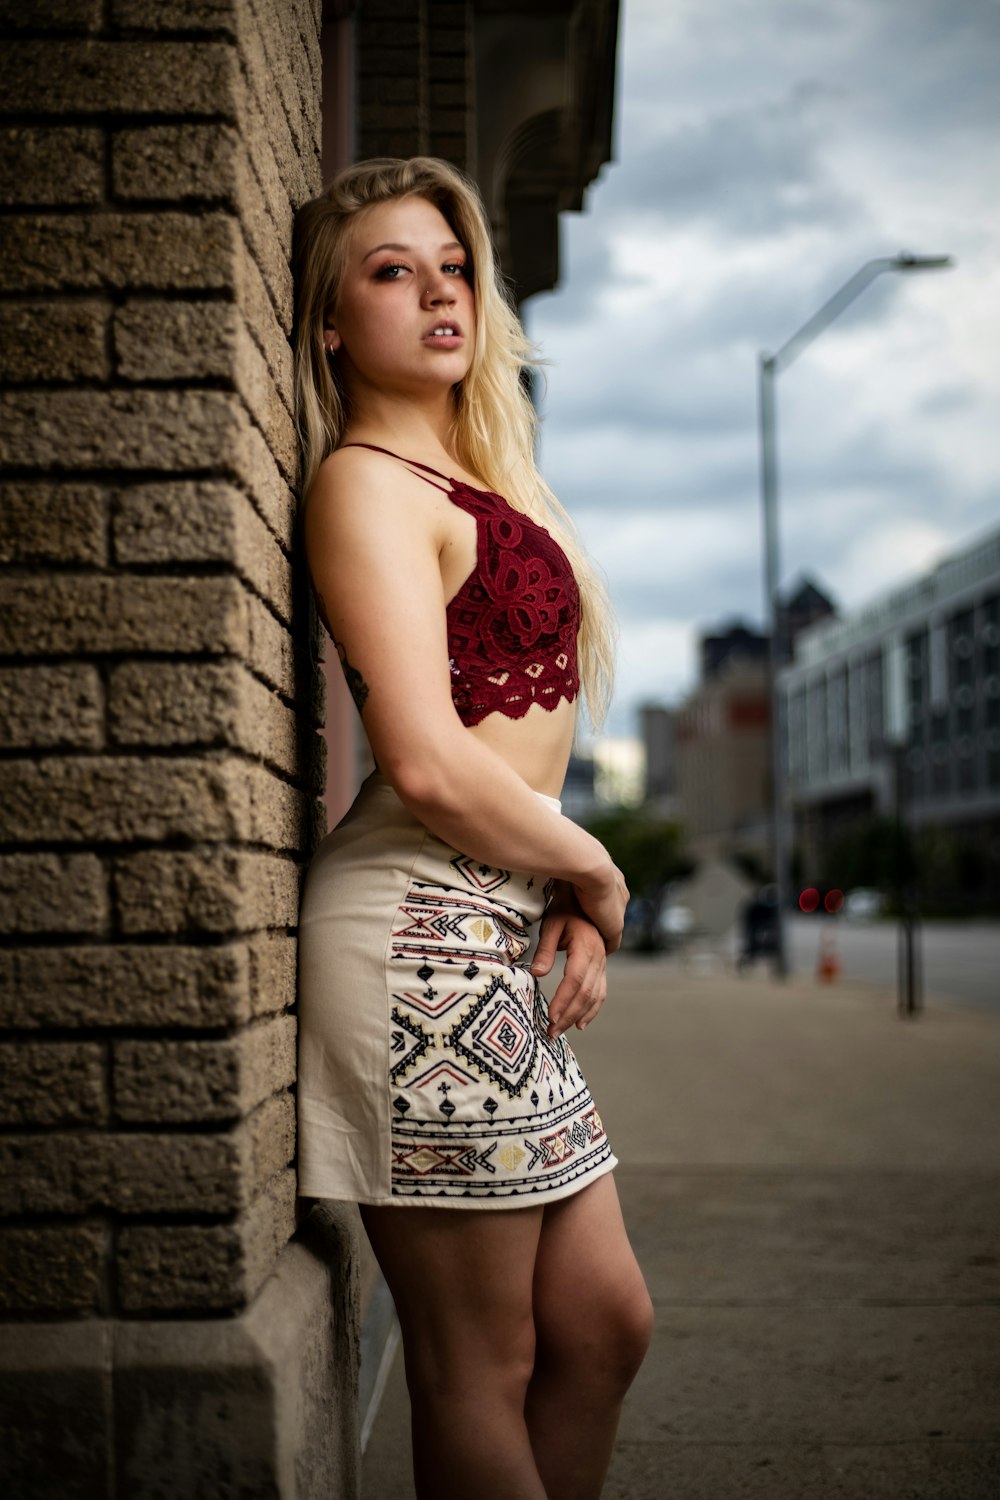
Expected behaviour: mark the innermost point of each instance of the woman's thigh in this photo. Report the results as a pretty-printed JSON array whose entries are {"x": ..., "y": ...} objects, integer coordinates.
[
  {"x": 591, "y": 1306},
  {"x": 462, "y": 1281}
]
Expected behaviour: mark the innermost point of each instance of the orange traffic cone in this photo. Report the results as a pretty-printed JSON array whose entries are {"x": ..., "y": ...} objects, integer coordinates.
[{"x": 828, "y": 967}]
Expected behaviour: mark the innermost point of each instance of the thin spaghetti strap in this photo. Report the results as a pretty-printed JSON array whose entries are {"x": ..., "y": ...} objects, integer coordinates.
[{"x": 411, "y": 462}]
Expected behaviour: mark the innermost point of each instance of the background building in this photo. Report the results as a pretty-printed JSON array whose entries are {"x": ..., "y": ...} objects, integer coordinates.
[
  {"x": 658, "y": 732},
  {"x": 170, "y": 1327},
  {"x": 908, "y": 686},
  {"x": 723, "y": 738}
]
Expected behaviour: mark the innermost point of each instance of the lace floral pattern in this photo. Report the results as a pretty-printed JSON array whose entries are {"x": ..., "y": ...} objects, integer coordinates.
[{"x": 513, "y": 624}]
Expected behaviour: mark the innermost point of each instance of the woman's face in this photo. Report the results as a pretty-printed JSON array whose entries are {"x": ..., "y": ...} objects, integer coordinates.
[{"x": 404, "y": 322}]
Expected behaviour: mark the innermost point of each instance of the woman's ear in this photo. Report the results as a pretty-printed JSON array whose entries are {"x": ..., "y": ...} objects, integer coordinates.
[{"x": 331, "y": 338}]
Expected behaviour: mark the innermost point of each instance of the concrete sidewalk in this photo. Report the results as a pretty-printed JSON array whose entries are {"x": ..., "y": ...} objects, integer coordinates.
[{"x": 813, "y": 1189}]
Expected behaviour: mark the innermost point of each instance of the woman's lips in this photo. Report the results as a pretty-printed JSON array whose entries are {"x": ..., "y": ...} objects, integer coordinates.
[{"x": 447, "y": 340}]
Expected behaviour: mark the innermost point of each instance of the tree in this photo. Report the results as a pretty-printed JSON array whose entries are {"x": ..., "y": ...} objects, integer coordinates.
[{"x": 649, "y": 851}]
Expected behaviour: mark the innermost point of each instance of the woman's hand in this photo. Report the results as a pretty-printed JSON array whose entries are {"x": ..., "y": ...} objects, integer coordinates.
[
  {"x": 581, "y": 991},
  {"x": 605, "y": 905}
]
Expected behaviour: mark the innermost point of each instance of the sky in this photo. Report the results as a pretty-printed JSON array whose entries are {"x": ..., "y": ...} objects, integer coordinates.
[{"x": 765, "y": 150}]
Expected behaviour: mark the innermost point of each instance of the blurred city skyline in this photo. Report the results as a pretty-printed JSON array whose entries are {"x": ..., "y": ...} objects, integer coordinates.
[{"x": 765, "y": 151}]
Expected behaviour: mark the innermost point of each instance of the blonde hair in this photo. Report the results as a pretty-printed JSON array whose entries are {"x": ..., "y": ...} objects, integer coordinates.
[{"x": 495, "y": 423}]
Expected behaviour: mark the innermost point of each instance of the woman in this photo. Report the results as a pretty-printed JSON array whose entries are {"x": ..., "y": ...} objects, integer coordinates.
[{"x": 436, "y": 1089}]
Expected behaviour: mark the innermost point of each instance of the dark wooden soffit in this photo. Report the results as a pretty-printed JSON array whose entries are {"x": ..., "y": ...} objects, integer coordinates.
[{"x": 545, "y": 81}]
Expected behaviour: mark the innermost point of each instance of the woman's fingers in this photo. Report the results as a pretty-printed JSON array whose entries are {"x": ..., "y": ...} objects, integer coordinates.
[
  {"x": 581, "y": 990},
  {"x": 548, "y": 944}
]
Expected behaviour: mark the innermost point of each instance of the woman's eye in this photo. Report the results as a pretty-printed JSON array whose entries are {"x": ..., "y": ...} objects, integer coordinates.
[
  {"x": 455, "y": 268},
  {"x": 390, "y": 272}
]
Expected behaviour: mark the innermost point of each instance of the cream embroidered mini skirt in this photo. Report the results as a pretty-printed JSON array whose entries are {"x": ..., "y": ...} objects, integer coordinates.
[{"x": 425, "y": 1073}]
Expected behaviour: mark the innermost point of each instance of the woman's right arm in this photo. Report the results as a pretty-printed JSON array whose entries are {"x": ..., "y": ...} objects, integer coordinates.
[{"x": 373, "y": 544}]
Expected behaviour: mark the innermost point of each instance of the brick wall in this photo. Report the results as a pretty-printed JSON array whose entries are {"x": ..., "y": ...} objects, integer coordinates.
[
  {"x": 414, "y": 81},
  {"x": 159, "y": 766}
]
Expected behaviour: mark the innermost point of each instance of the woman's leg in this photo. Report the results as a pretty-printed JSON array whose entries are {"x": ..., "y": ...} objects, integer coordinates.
[
  {"x": 462, "y": 1281},
  {"x": 593, "y": 1321}
]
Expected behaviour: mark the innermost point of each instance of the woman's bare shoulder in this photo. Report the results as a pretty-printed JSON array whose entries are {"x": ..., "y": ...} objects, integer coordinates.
[{"x": 362, "y": 502}]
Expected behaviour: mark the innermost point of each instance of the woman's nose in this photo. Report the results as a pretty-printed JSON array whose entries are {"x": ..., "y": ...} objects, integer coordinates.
[{"x": 439, "y": 289}]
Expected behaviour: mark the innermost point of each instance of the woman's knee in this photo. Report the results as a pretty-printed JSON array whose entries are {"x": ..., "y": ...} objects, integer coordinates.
[
  {"x": 474, "y": 1365},
  {"x": 606, "y": 1340},
  {"x": 635, "y": 1331}
]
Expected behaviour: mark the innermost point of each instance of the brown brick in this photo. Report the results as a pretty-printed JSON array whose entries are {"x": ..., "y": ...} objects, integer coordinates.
[
  {"x": 139, "y": 985},
  {"x": 43, "y": 707},
  {"x": 62, "y": 523},
  {"x": 51, "y": 1267},
  {"x": 177, "y": 15},
  {"x": 254, "y": 132},
  {"x": 120, "y": 429},
  {"x": 52, "y": 15},
  {"x": 201, "y": 521},
  {"x": 118, "y": 77},
  {"x": 219, "y": 1267},
  {"x": 218, "y": 1172},
  {"x": 177, "y": 340},
  {"x": 270, "y": 650},
  {"x": 270, "y": 243},
  {"x": 274, "y": 971},
  {"x": 392, "y": 35},
  {"x": 52, "y": 893},
  {"x": 188, "y": 1081},
  {"x": 262, "y": 319},
  {"x": 385, "y": 118},
  {"x": 68, "y": 614},
  {"x": 52, "y": 1083},
  {"x": 42, "y": 165},
  {"x": 393, "y": 10},
  {"x": 204, "y": 704},
  {"x": 170, "y": 162},
  {"x": 177, "y": 1174},
  {"x": 405, "y": 90},
  {"x": 450, "y": 67},
  {"x": 453, "y": 148},
  {"x": 137, "y": 1173},
  {"x": 145, "y": 429},
  {"x": 208, "y": 891},
  {"x": 53, "y": 341},
  {"x": 70, "y": 252},
  {"x": 292, "y": 164},
  {"x": 122, "y": 798},
  {"x": 267, "y": 1143},
  {"x": 58, "y": 1172},
  {"x": 280, "y": 41},
  {"x": 298, "y": 43}
]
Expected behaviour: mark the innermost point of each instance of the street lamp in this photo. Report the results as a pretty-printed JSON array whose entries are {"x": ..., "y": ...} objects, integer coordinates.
[{"x": 770, "y": 366}]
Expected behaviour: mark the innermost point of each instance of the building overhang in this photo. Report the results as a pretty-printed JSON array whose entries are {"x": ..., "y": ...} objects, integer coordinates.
[{"x": 545, "y": 81}]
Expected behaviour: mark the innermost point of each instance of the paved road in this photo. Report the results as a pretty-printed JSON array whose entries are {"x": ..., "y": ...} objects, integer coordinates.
[
  {"x": 813, "y": 1189},
  {"x": 961, "y": 960}
]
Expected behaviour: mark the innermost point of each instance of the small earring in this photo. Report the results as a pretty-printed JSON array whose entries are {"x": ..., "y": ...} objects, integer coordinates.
[{"x": 330, "y": 350}]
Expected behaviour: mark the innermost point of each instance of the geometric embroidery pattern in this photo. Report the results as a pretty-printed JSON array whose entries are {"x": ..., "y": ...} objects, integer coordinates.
[
  {"x": 481, "y": 877},
  {"x": 408, "y": 1041},
  {"x": 483, "y": 1103},
  {"x": 497, "y": 1037}
]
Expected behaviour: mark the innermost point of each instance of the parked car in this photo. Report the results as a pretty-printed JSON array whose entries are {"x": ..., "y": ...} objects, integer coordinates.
[
  {"x": 639, "y": 933},
  {"x": 863, "y": 904}
]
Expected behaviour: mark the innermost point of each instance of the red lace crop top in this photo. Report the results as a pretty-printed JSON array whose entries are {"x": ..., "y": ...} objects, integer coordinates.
[{"x": 513, "y": 624}]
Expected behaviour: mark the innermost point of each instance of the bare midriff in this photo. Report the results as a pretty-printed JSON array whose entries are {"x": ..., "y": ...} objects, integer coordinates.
[{"x": 537, "y": 746}]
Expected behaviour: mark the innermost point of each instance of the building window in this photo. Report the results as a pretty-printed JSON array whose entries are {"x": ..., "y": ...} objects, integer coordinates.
[
  {"x": 818, "y": 730},
  {"x": 839, "y": 727},
  {"x": 872, "y": 670}
]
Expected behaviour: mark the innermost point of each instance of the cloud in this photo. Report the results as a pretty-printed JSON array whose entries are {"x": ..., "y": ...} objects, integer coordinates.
[{"x": 767, "y": 151}]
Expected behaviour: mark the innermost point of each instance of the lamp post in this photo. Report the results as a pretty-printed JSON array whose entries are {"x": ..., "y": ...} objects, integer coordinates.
[{"x": 770, "y": 366}]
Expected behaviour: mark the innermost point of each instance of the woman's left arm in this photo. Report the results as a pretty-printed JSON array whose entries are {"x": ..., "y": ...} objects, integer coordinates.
[{"x": 581, "y": 991}]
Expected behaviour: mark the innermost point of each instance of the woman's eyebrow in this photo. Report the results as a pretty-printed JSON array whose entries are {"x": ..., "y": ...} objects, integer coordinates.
[{"x": 406, "y": 249}]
